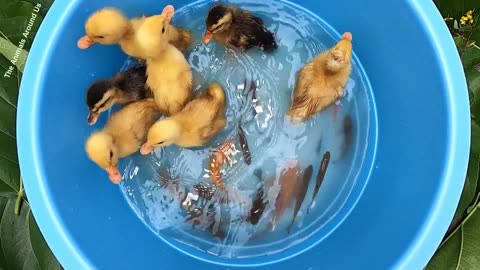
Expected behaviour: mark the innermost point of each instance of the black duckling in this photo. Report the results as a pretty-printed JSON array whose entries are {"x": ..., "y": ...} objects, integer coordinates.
[
  {"x": 237, "y": 29},
  {"x": 122, "y": 88}
]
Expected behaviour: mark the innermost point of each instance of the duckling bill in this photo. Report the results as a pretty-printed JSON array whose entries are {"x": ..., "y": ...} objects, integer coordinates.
[
  {"x": 238, "y": 29},
  {"x": 122, "y": 88}
]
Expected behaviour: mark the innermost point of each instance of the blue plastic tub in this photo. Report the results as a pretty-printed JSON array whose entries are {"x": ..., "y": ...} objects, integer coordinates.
[{"x": 396, "y": 222}]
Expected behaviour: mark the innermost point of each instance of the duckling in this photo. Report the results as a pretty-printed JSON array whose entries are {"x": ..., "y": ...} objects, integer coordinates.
[
  {"x": 321, "y": 82},
  {"x": 237, "y": 29},
  {"x": 173, "y": 89},
  {"x": 197, "y": 123},
  {"x": 124, "y": 87},
  {"x": 122, "y": 136},
  {"x": 109, "y": 26}
]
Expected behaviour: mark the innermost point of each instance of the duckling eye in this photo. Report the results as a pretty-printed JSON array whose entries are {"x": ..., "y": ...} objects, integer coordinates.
[
  {"x": 111, "y": 154},
  {"x": 163, "y": 30},
  {"x": 161, "y": 142},
  {"x": 99, "y": 37}
]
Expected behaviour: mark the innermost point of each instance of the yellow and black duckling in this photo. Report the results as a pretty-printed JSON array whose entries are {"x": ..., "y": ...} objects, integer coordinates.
[
  {"x": 196, "y": 124},
  {"x": 238, "y": 29},
  {"x": 124, "y": 87},
  {"x": 109, "y": 26},
  {"x": 321, "y": 81},
  {"x": 122, "y": 136}
]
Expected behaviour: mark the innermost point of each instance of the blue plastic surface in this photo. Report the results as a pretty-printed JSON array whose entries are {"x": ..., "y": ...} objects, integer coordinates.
[{"x": 421, "y": 152}]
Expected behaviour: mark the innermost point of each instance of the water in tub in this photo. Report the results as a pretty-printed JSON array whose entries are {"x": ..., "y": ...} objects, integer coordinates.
[{"x": 171, "y": 190}]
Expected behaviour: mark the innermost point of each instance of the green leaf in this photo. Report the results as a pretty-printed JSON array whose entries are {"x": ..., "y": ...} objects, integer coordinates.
[
  {"x": 3, "y": 203},
  {"x": 459, "y": 41},
  {"x": 475, "y": 145},
  {"x": 45, "y": 5},
  {"x": 456, "y": 8},
  {"x": 19, "y": 21},
  {"x": 470, "y": 187},
  {"x": 45, "y": 257},
  {"x": 16, "y": 55},
  {"x": 455, "y": 25},
  {"x": 447, "y": 257},
  {"x": 7, "y": 118},
  {"x": 15, "y": 235},
  {"x": 470, "y": 58},
  {"x": 461, "y": 251},
  {"x": 9, "y": 176},
  {"x": 473, "y": 80},
  {"x": 9, "y": 82},
  {"x": 21, "y": 243},
  {"x": 8, "y": 148}
]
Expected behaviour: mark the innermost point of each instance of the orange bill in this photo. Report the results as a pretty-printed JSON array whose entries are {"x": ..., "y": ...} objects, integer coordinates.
[
  {"x": 92, "y": 118},
  {"x": 207, "y": 37},
  {"x": 347, "y": 36},
  {"x": 85, "y": 42},
  {"x": 145, "y": 149},
  {"x": 114, "y": 175}
]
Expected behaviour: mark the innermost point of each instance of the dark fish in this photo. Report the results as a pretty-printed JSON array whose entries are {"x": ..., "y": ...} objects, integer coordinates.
[
  {"x": 347, "y": 134},
  {"x": 259, "y": 174},
  {"x": 244, "y": 145},
  {"x": 210, "y": 192},
  {"x": 319, "y": 146},
  {"x": 301, "y": 192},
  {"x": 258, "y": 204},
  {"x": 165, "y": 178},
  {"x": 320, "y": 177},
  {"x": 251, "y": 88},
  {"x": 200, "y": 204}
]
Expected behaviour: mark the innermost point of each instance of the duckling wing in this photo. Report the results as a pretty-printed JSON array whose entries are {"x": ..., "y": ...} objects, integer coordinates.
[
  {"x": 251, "y": 32},
  {"x": 132, "y": 83},
  {"x": 248, "y": 15}
]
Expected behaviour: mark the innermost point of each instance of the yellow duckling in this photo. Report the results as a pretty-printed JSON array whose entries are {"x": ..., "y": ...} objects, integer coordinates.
[
  {"x": 321, "y": 82},
  {"x": 109, "y": 26},
  {"x": 169, "y": 74},
  {"x": 122, "y": 136},
  {"x": 197, "y": 123}
]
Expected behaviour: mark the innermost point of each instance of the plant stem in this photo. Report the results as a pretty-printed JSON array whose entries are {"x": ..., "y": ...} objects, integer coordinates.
[
  {"x": 462, "y": 53},
  {"x": 460, "y": 225},
  {"x": 18, "y": 202}
]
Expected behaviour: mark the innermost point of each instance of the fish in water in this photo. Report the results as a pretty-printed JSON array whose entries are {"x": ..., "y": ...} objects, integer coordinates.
[
  {"x": 302, "y": 189},
  {"x": 258, "y": 204},
  {"x": 319, "y": 146},
  {"x": 199, "y": 202},
  {"x": 293, "y": 185},
  {"x": 253, "y": 90},
  {"x": 347, "y": 134},
  {"x": 289, "y": 177},
  {"x": 244, "y": 145},
  {"x": 320, "y": 177},
  {"x": 226, "y": 151},
  {"x": 250, "y": 88},
  {"x": 210, "y": 192},
  {"x": 202, "y": 204}
]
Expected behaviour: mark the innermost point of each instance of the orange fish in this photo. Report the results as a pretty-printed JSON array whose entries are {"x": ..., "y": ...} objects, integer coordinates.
[{"x": 218, "y": 159}]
